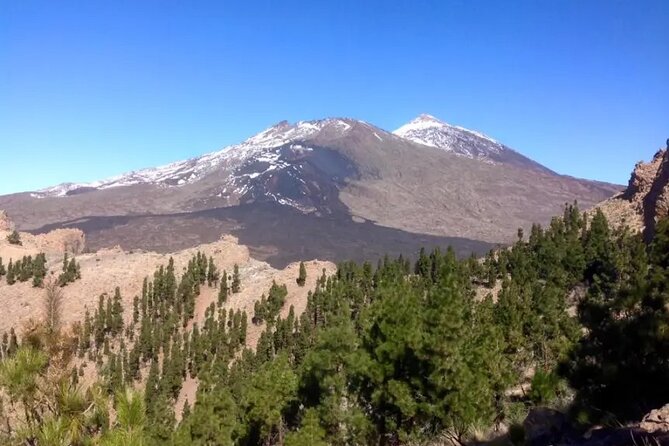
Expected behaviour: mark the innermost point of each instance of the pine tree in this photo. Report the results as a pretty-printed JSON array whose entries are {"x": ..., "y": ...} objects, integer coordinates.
[
  {"x": 151, "y": 390},
  {"x": 71, "y": 271},
  {"x": 267, "y": 395},
  {"x": 185, "y": 412},
  {"x": 302, "y": 278},
  {"x": 39, "y": 270},
  {"x": 236, "y": 283},
  {"x": 205, "y": 425},
  {"x": 116, "y": 313},
  {"x": 161, "y": 419},
  {"x": 85, "y": 338},
  {"x": 109, "y": 316},
  {"x": 135, "y": 310},
  {"x": 223, "y": 292},
  {"x": 99, "y": 323},
  {"x": 243, "y": 328},
  {"x": 25, "y": 268},
  {"x": 212, "y": 273},
  {"x": 14, "y": 238},
  {"x": 310, "y": 432},
  {"x": 620, "y": 366},
  {"x": 11, "y": 273}
]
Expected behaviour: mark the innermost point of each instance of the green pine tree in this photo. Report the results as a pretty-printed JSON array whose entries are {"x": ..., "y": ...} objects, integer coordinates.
[
  {"x": 223, "y": 292},
  {"x": 236, "y": 282},
  {"x": 11, "y": 273},
  {"x": 302, "y": 277},
  {"x": 14, "y": 238}
]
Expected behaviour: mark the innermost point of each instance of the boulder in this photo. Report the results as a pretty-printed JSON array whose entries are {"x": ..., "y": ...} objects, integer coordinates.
[
  {"x": 656, "y": 420},
  {"x": 545, "y": 426}
]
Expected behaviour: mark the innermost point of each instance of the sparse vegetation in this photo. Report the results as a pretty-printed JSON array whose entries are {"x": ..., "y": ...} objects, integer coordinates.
[
  {"x": 302, "y": 277},
  {"x": 14, "y": 238},
  {"x": 393, "y": 354},
  {"x": 71, "y": 271},
  {"x": 24, "y": 269},
  {"x": 42, "y": 403}
]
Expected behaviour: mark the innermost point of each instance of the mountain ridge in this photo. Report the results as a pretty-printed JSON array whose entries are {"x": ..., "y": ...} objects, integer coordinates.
[
  {"x": 336, "y": 174},
  {"x": 425, "y": 130},
  {"x": 185, "y": 171}
]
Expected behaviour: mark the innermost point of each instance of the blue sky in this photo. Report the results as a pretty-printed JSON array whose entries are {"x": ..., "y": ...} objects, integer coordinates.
[{"x": 90, "y": 89}]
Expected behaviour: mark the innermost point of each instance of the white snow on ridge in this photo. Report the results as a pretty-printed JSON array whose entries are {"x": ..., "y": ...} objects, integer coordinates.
[
  {"x": 425, "y": 122},
  {"x": 430, "y": 131},
  {"x": 188, "y": 171},
  {"x": 425, "y": 129}
]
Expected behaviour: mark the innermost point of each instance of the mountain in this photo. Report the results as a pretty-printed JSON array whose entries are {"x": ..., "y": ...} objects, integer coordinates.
[
  {"x": 260, "y": 148},
  {"x": 338, "y": 187}
]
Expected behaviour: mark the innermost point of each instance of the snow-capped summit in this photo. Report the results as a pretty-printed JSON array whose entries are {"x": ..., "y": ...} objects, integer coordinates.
[
  {"x": 430, "y": 131},
  {"x": 423, "y": 121},
  {"x": 191, "y": 170},
  {"x": 261, "y": 159}
]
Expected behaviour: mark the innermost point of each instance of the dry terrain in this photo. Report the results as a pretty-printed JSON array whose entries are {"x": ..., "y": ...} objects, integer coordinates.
[{"x": 105, "y": 269}]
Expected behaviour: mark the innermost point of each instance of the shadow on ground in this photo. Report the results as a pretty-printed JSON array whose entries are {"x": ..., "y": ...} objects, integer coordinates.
[{"x": 274, "y": 233}]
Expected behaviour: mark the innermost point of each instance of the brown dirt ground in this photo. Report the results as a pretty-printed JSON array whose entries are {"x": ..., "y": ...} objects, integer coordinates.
[{"x": 102, "y": 271}]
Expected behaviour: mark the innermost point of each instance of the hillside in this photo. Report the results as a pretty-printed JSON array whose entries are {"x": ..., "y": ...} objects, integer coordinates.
[
  {"x": 358, "y": 355},
  {"x": 366, "y": 354},
  {"x": 430, "y": 184},
  {"x": 102, "y": 271}
]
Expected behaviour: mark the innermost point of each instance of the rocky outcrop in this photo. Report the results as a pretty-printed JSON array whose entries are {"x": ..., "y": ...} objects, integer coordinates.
[
  {"x": 656, "y": 201},
  {"x": 70, "y": 240},
  {"x": 657, "y": 421},
  {"x": 646, "y": 198},
  {"x": 62, "y": 240},
  {"x": 544, "y": 426},
  {"x": 5, "y": 223},
  {"x": 642, "y": 177}
]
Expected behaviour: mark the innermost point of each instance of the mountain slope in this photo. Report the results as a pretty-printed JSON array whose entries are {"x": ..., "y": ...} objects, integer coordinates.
[
  {"x": 453, "y": 183},
  {"x": 257, "y": 148},
  {"x": 430, "y": 131}
]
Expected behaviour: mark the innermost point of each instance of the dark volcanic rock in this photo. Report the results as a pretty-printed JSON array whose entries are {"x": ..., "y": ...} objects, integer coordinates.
[{"x": 274, "y": 233}]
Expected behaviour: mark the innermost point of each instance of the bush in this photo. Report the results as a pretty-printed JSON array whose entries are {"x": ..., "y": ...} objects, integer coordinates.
[
  {"x": 14, "y": 238},
  {"x": 544, "y": 387}
]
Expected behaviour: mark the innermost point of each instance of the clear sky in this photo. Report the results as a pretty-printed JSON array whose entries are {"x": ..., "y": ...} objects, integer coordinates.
[{"x": 90, "y": 89}]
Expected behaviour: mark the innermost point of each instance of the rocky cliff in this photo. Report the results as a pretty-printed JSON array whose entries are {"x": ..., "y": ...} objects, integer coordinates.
[{"x": 646, "y": 198}]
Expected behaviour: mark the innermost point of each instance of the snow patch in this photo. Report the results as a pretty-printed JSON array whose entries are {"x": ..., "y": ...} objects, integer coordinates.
[
  {"x": 189, "y": 171},
  {"x": 430, "y": 131}
]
